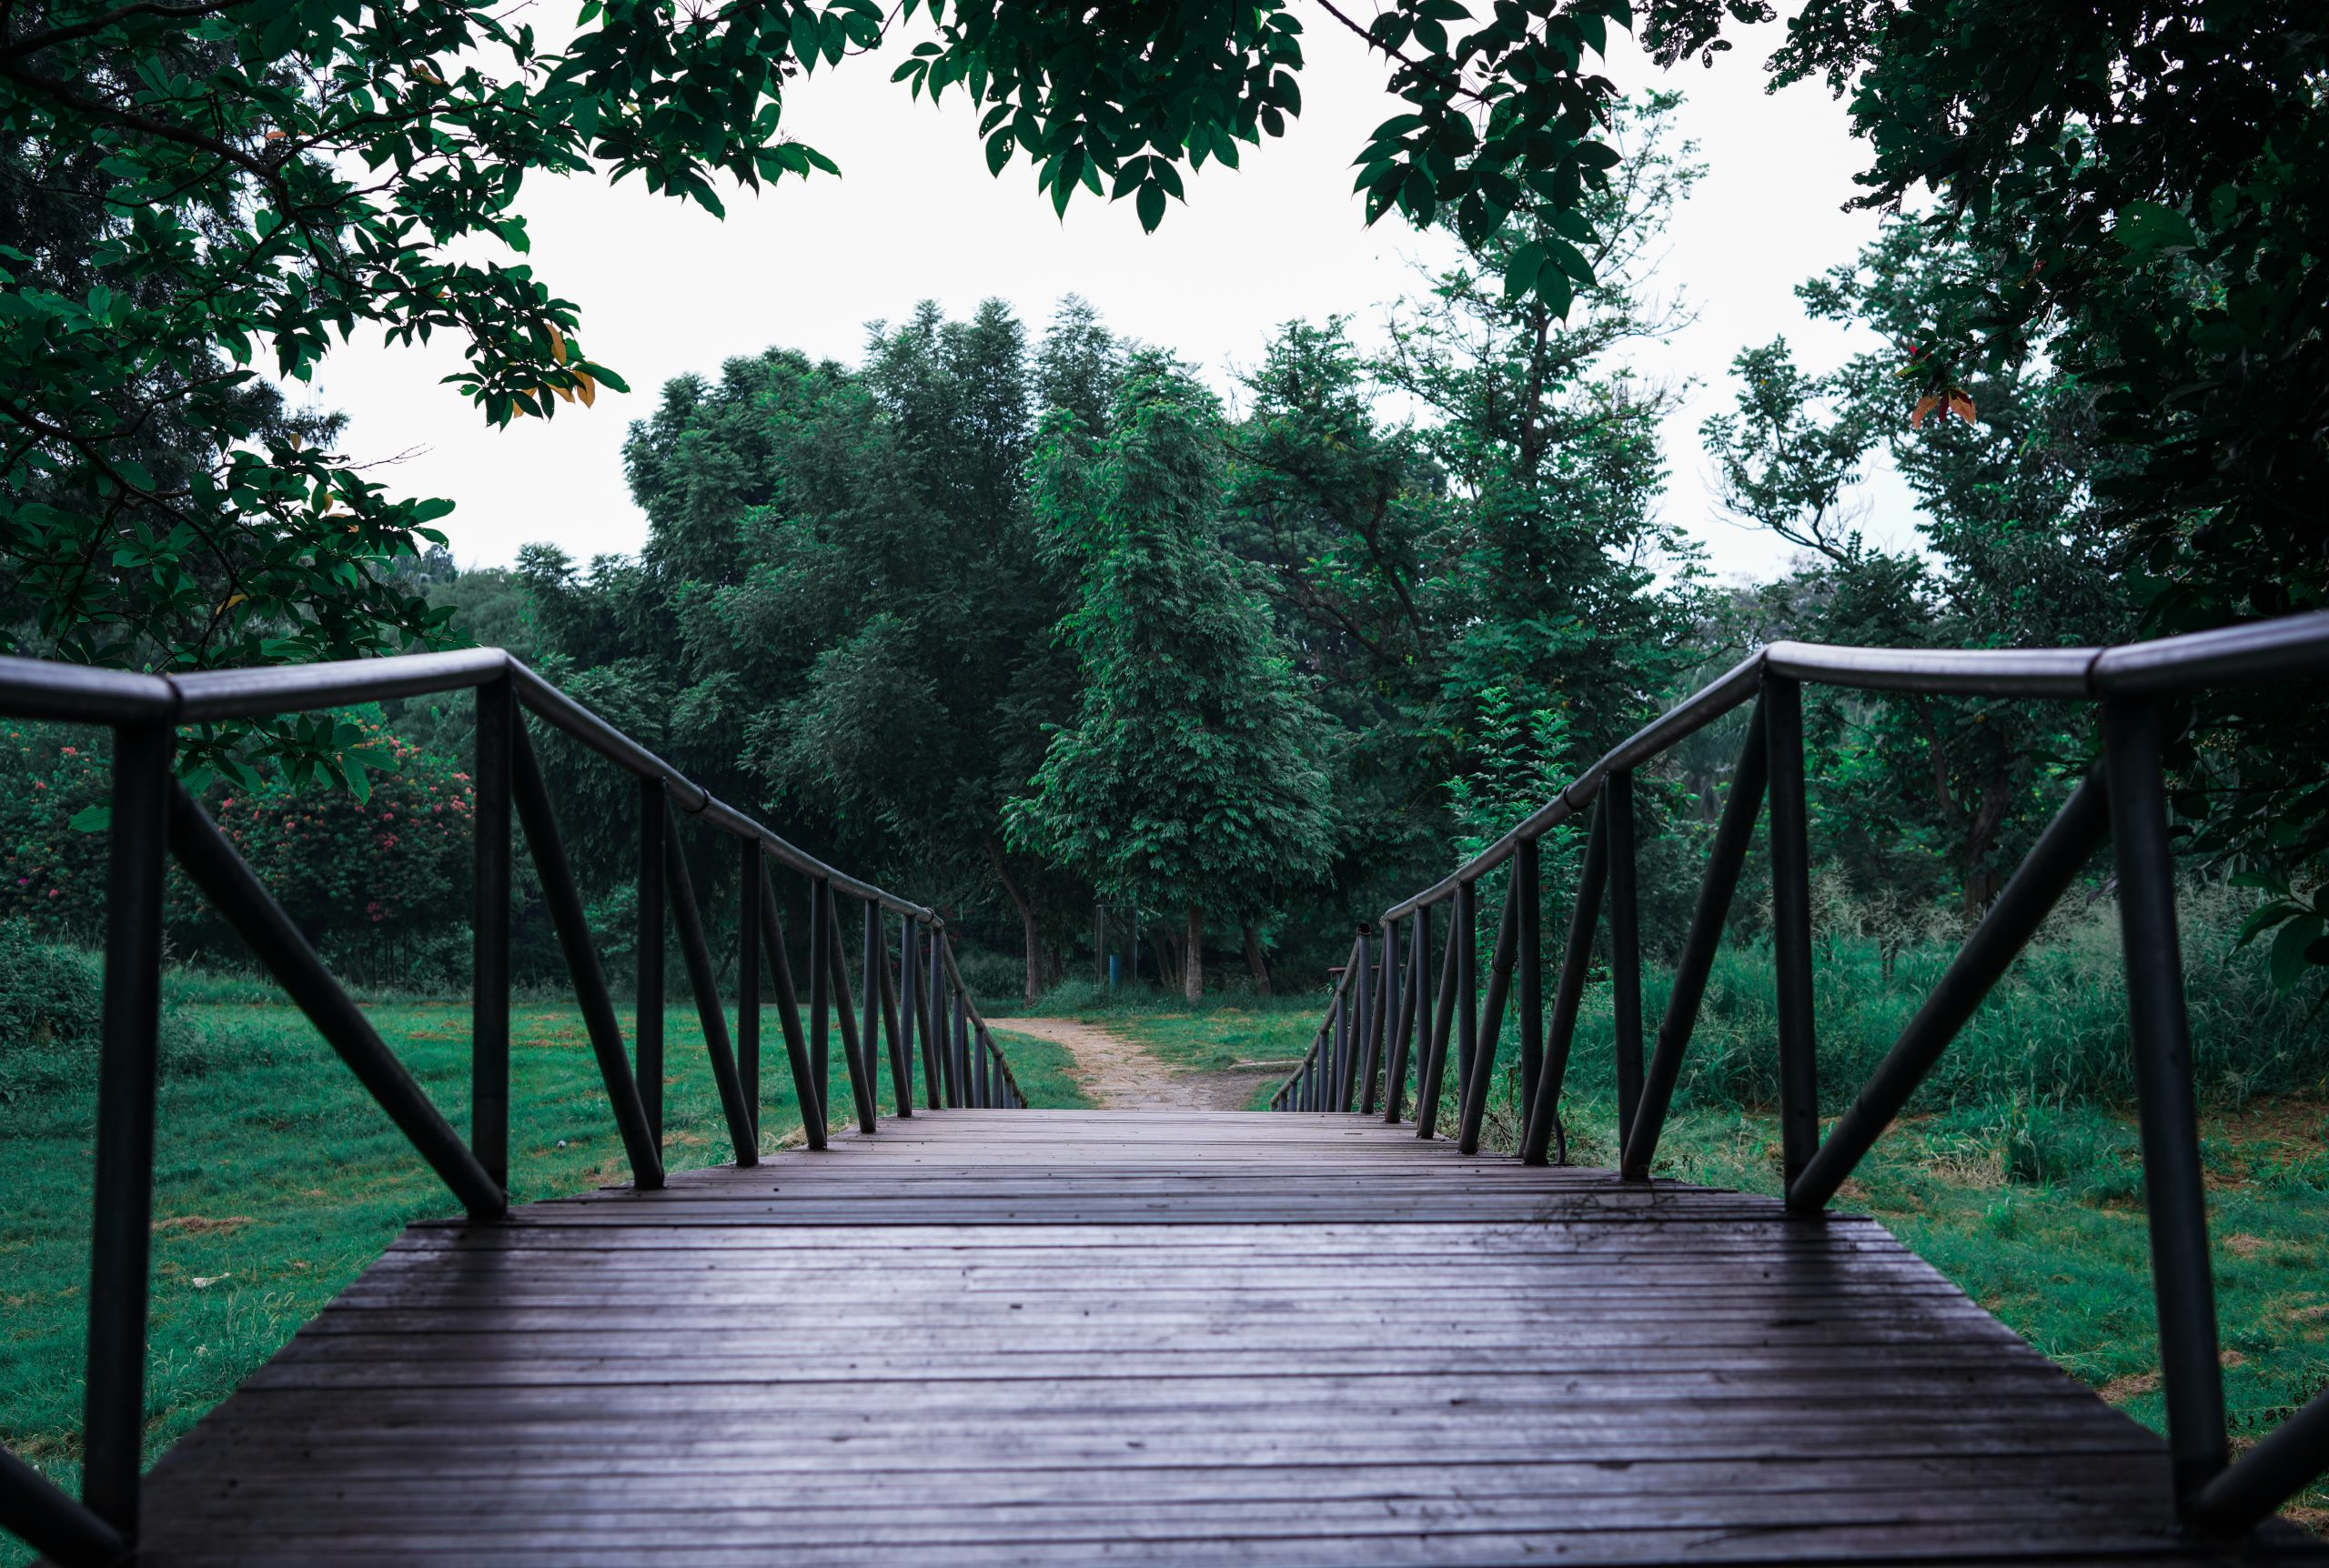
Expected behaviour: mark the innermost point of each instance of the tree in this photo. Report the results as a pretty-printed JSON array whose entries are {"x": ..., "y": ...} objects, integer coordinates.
[
  {"x": 1190, "y": 777},
  {"x": 2020, "y": 555},
  {"x": 840, "y": 610}
]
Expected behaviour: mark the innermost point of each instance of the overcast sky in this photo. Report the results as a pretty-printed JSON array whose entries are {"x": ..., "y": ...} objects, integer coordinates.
[{"x": 665, "y": 289}]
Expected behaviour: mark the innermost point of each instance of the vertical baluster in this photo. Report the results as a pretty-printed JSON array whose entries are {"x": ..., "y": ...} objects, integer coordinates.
[
  {"x": 1374, "y": 1000},
  {"x": 856, "y": 1055},
  {"x": 1415, "y": 1016},
  {"x": 910, "y": 1000},
  {"x": 1337, "y": 1039},
  {"x": 1544, "y": 1130},
  {"x": 489, "y": 936},
  {"x": 808, "y": 1088},
  {"x": 2173, "y": 1192},
  {"x": 1474, "y": 1109},
  {"x": 748, "y": 978},
  {"x": 1357, "y": 1063},
  {"x": 871, "y": 967},
  {"x": 113, "y": 1428},
  {"x": 1528, "y": 888},
  {"x": 939, "y": 1033},
  {"x": 1625, "y": 945},
  {"x": 1432, "y": 1071},
  {"x": 897, "y": 1013},
  {"x": 647, "y": 1030},
  {"x": 1466, "y": 935},
  {"x": 962, "y": 1046},
  {"x": 982, "y": 1076},
  {"x": 821, "y": 984},
  {"x": 1791, "y": 927},
  {"x": 704, "y": 981}
]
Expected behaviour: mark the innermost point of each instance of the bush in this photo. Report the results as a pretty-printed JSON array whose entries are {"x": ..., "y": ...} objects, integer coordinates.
[{"x": 50, "y": 995}]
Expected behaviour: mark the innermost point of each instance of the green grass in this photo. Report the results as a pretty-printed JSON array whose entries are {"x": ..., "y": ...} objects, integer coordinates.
[{"x": 277, "y": 1180}]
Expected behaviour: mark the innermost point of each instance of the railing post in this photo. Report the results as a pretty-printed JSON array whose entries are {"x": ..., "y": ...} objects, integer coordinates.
[
  {"x": 647, "y": 1029},
  {"x": 1466, "y": 935},
  {"x": 1625, "y": 945},
  {"x": 1372, "y": 1001},
  {"x": 897, "y": 1016},
  {"x": 1413, "y": 1018},
  {"x": 1792, "y": 928},
  {"x": 942, "y": 1077},
  {"x": 489, "y": 936},
  {"x": 912, "y": 1035},
  {"x": 872, "y": 961},
  {"x": 748, "y": 978},
  {"x": 113, "y": 1431},
  {"x": 1431, "y": 1071},
  {"x": 2174, "y": 1188},
  {"x": 1528, "y": 888}
]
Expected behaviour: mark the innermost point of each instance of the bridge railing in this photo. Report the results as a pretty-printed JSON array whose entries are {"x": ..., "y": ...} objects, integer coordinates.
[
  {"x": 920, "y": 997},
  {"x": 1439, "y": 1007}
]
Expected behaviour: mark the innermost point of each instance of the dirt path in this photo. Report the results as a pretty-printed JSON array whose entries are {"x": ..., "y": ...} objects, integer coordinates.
[{"x": 1120, "y": 1075}]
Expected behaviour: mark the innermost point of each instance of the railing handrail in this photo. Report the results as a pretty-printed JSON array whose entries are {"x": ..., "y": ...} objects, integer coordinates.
[
  {"x": 2121, "y": 801},
  {"x": 2190, "y": 662},
  {"x": 48, "y": 688},
  {"x": 155, "y": 819}
]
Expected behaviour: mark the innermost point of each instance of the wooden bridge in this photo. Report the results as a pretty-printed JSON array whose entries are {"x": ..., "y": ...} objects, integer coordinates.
[
  {"x": 1077, "y": 1337},
  {"x": 986, "y": 1334}
]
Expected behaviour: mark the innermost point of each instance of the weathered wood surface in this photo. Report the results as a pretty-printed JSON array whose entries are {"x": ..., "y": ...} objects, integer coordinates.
[{"x": 1054, "y": 1337}]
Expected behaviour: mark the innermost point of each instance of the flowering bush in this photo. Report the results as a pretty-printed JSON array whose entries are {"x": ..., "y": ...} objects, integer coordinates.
[
  {"x": 53, "y": 876},
  {"x": 391, "y": 864},
  {"x": 364, "y": 876}
]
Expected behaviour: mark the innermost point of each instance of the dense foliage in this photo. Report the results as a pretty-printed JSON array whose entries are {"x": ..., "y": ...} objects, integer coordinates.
[
  {"x": 2100, "y": 299},
  {"x": 1189, "y": 779}
]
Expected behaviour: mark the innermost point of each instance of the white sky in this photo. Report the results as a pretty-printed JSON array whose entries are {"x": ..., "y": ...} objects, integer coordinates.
[{"x": 664, "y": 288}]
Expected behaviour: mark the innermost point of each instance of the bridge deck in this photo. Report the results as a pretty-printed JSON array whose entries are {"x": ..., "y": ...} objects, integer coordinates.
[{"x": 1067, "y": 1337}]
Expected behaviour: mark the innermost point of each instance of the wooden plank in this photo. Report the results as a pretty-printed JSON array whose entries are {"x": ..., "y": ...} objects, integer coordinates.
[{"x": 1188, "y": 1338}]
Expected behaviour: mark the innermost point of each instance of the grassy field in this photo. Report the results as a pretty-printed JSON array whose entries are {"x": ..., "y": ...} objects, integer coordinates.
[{"x": 277, "y": 1180}]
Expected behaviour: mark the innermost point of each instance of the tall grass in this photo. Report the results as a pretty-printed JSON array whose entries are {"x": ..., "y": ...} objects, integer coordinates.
[{"x": 2052, "y": 1034}]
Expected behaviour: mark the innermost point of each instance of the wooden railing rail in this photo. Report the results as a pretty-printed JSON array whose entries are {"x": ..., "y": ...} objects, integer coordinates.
[
  {"x": 2122, "y": 800},
  {"x": 911, "y": 991}
]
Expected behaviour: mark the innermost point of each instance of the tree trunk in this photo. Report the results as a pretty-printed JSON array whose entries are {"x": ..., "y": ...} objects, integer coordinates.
[
  {"x": 1030, "y": 931},
  {"x": 1257, "y": 960},
  {"x": 1168, "y": 962},
  {"x": 1192, "y": 966}
]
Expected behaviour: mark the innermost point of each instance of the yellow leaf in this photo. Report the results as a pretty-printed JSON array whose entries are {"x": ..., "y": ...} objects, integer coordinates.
[
  {"x": 232, "y": 600},
  {"x": 1960, "y": 405},
  {"x": 557, "y": 344},
  {"x": 1925, "y": 406},
  {"x": 296, "y": 442},
  {"x": 588, "y": 388},
  {"x": 276, "y": 135},
  {"x": 567, "y": 393}
]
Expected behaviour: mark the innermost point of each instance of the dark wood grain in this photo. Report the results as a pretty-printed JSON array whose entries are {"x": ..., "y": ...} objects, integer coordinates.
[{"x": 1065, "y": 1337}]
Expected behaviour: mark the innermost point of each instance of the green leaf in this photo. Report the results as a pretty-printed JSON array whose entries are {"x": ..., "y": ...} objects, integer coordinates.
[
  {"x": 2289, "y": 963},
  {"x": 2146, "y": 228},
  {"x": 1150, "y": 204},
  {"x": 91, "y": 820}
]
